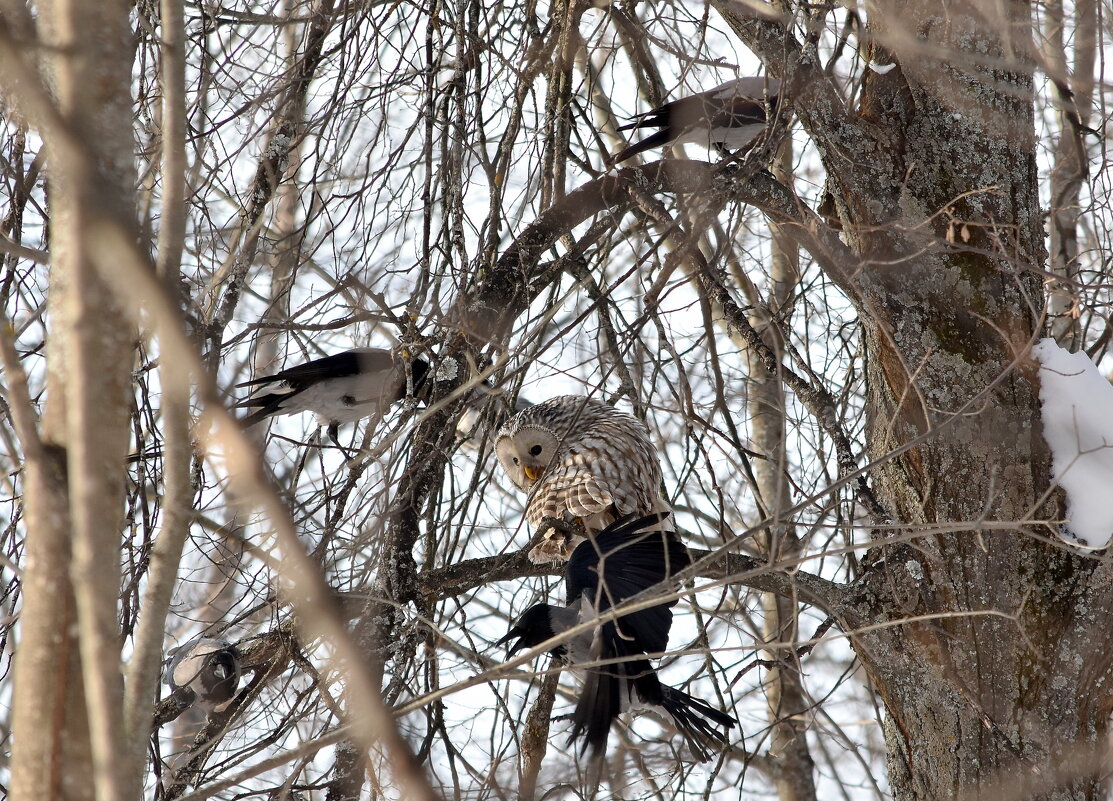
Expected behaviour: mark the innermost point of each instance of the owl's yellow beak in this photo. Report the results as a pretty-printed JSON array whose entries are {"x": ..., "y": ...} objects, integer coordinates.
[{"x": 533, "y": 473}]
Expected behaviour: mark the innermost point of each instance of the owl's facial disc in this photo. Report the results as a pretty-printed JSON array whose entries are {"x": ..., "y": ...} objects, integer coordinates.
[
  {"x": 525, "y": 454},
  {"x": 530, "y": 450}
]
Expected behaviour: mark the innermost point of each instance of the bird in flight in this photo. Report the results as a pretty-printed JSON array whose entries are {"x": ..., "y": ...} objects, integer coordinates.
[
  {"x": 726, "y": 118},
  {"x": 612, "y": 657}
]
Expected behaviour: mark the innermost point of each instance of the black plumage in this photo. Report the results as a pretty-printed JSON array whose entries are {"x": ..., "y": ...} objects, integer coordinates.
[{"x": 625, "y": 559}]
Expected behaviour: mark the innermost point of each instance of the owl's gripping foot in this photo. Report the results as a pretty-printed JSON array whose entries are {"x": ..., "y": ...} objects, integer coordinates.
[{"x": 559, "y": 539}]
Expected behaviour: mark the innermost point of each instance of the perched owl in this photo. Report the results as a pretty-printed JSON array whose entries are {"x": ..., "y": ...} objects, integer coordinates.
[{"x": 581, "y": 461}]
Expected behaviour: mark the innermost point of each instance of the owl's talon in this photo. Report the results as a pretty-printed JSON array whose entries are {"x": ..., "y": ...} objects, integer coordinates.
[
  {"x": 567, "y": 528},
  {"x": 558, "y": 538},
  {"x": 546, "y": 552}
]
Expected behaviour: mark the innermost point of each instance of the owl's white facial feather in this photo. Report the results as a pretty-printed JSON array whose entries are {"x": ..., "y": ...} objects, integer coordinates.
[{"x": 526, "y": 453}]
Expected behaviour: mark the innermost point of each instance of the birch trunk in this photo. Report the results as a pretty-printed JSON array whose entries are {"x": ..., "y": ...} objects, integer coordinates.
[
  {"x": 784, "y": 689},
  {"x": 85, "y": 428}
]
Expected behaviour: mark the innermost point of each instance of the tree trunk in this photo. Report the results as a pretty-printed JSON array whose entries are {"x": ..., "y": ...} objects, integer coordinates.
[
  {"x": 784, "y": 688},
  {"x": 949, "y": 211},
  {"x": 935, "y": 182},
  {"x": 85, "y": 428},
  {"x": 74, "y": 577}
]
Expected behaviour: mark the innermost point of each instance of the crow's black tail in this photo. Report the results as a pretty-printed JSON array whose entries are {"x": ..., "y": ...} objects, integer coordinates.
[
  {"x": 650, "y": 142},
  {"x": 697, "y": 721},
  {"x": 607, "y": 690},
  {"x": 600, "y": 703}
]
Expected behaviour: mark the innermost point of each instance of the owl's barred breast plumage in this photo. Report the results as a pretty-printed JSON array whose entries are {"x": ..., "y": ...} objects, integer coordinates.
[{"x": 579, "y": 459}]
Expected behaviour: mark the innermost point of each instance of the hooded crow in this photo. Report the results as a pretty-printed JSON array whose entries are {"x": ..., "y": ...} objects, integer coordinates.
[
  {"x": 621, "y": 561},
  {"x": 728, "y": 117},
  {"x": 207, "y": 667},
  {"x": 342, "y": 388}
]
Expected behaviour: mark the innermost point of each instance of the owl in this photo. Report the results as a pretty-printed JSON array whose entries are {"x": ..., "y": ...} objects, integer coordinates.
[{"x": 582, "y": 462}]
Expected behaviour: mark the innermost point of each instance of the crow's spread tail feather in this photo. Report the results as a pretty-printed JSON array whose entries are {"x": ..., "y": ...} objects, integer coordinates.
[{"x": 697, "y": 721}]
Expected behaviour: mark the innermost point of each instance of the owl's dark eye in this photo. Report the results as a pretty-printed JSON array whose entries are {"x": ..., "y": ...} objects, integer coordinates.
[
  {"x": 535, "y": 450},
  {"x": 515, "y": 460}
]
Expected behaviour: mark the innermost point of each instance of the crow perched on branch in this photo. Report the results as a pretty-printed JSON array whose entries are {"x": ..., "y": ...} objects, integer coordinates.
[{"x": 726, "y": 118}]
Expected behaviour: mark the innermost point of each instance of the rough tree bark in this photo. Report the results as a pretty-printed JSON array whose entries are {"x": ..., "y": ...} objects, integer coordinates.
[
  {"x": 986, "y": 641},
  {"x": 935, "y": 180},
  {"x": 984, "y": 635}
]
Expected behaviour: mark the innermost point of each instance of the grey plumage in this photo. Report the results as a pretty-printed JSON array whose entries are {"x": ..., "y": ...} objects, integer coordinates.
[
  {"x": 580, "y": 460},
  {"x": 341, "y": 388},
  {"x": 727, "y": 118},
  {"x": 208, "y": 667},
  {"x": 623, "y": 560}
]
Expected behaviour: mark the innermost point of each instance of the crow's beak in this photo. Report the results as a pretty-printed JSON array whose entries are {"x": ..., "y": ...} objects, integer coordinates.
[
  {"x": 510, "y": 635},
  {"x": 533, "y": 473}
]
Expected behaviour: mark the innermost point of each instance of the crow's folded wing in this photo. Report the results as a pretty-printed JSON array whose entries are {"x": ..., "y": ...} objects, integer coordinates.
[{"x": 622, "y": 561}]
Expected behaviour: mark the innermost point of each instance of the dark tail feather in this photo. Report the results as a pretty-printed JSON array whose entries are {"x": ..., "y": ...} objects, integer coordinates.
[
  {"x": 267, "y": 379},
  {"x": 601, "y": 700},
  {"x": 696, "y": 720},
  {"x": 265, "y": 408},
  {"x": 650, "y": 142},
  {"x": 651, "y": 119},
  {"x": 600, "y": 703},
  {"x": 255, "y": 417}
]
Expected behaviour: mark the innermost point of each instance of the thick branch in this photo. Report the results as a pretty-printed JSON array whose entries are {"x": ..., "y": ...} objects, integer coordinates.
[
  {"x": 732, "y": 568},
  {"x": 506, "y": 289},
  {"x": 512, "y": 283}
]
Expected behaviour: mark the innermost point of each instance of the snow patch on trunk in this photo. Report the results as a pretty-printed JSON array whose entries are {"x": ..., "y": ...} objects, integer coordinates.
[{"x": 1077, "y": 404}]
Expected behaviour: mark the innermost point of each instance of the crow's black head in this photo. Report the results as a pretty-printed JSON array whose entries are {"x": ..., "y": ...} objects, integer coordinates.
[
  {"x": 209, "y": 667},
  {"x": 533, "y": 628},
  {"x": 220, "y": 676}
]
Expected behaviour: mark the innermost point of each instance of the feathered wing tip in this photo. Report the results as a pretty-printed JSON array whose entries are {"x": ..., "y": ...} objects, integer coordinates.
[
  {"x": 628, "y": 525},
  {"x": 264, "y": 406},
  {"x": 697, "y": 721}
]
